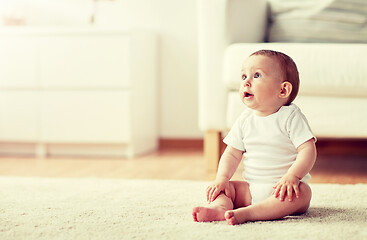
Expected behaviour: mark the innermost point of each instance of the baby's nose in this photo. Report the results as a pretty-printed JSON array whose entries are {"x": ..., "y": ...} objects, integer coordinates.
[{"x": 247, "y": 83}]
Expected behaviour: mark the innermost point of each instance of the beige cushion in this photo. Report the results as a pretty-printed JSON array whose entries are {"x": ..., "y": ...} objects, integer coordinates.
[
  {"x": 325, "y": 69},
  {"x": 327, "y": 116}
]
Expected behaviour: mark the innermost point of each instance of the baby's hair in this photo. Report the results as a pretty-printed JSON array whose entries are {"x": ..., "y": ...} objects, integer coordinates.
[{"x": 289, "y": 68}]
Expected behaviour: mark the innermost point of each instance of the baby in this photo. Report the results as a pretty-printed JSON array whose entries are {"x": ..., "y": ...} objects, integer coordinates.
[{"x": 276, "y": 142}]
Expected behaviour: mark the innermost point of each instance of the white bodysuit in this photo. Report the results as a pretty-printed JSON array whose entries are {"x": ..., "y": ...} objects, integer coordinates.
[{"x": 270, "y": 146}]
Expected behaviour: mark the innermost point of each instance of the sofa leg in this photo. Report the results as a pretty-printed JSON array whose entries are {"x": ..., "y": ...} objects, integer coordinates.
[{"x": 212, "y": 151}]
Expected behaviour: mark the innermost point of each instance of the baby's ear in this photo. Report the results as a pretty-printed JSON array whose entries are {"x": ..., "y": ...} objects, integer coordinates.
[{"x": 286, "y": 89}]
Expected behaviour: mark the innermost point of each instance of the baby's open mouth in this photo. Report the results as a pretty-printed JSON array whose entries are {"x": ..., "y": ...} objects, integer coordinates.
[{"x": 247, "y": 94}]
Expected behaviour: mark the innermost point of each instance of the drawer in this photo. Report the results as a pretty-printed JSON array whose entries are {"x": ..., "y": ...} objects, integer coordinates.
[
  {"x": 18, "y": 61},
  {"x": 19, "y": 116},
  {"x": 85, "y": 117},
  {"x": 85, "y": 61}
]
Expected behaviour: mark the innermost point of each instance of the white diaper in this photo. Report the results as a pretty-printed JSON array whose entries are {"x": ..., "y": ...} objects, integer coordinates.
[{"x": 260, "y": 191}]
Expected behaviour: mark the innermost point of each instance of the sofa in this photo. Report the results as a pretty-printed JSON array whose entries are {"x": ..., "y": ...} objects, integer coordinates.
[{"x": 330, "y": 59}]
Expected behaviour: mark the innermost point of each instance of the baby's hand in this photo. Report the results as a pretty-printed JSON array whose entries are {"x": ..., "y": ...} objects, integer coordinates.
[
  {"x": 285, "y": 187},
  {"x": 215, "y": 189}
]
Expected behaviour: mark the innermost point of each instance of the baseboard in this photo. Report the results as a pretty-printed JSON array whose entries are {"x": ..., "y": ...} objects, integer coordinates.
[
  {"x": 18, "y": 149},
  {"x": 351, "y": 146},
  {"x": 324, "y": 145},
  {"x": 68, "y": 150},
  {"x": 176, "y": 143},
  {"x": 92, "y": 150}
]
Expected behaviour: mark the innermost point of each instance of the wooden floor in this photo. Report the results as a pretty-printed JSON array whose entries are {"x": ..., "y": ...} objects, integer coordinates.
[{"x": 338, "y": 162}]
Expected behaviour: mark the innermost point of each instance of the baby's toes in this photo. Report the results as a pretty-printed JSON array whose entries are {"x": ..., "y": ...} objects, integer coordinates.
[
  {"x": 231, "y": 220},
  {"x": 195, "y": 213}
]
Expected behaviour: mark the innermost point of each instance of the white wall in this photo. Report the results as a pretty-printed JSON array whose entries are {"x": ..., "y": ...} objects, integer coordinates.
[{"x": 175, "y": 23}]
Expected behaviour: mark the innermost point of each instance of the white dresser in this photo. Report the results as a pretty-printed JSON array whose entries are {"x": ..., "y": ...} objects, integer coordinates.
[{"x": 78, "y": 91}]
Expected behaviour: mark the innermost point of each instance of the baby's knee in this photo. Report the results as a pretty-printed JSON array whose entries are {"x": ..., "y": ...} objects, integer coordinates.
[
  {"x": 305, "y": 198},
  {"x": 241, "y": 196},
  {"x": 305, "y": 189},
  {"x": 306, "y": 192},
  {"x": 232, "y": 191}
]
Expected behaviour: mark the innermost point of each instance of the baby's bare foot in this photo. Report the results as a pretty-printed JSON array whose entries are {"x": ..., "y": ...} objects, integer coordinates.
[
  {"x": 207, "y": 214},
  {"x": 231, "y": 217}
]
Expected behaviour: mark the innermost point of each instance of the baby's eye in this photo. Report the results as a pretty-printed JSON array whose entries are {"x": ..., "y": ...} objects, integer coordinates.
[
  {"x": 244, "y": 77},
  {"x": 257, "y": 75}
]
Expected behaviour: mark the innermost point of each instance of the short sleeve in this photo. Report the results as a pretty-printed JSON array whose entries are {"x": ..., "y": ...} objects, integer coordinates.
[
  {"x": 235, "y": 136},
  {"x": 298, "y": 128}
]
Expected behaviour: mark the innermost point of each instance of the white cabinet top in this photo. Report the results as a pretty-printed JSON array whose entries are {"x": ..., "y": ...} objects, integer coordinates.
[{"x": 20, "y": 30}]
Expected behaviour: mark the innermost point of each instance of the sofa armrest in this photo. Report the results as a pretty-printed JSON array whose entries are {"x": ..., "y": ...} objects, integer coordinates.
[{"x": 220, "y": 23}]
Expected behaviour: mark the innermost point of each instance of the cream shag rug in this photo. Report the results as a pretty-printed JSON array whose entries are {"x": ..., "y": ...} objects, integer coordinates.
[{"x": 40, "y": 208}]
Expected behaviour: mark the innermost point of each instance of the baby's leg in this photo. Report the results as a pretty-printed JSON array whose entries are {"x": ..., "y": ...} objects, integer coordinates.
[
  {"x": 272, "y": 208},
  {"x": 214, "y": 211},
  {"x": 239, "y": 196}
]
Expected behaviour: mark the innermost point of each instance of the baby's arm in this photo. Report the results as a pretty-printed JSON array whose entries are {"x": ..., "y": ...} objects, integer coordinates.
[
  {"x": 228, "y": 164},
  {"x": 305, "y": 160}
]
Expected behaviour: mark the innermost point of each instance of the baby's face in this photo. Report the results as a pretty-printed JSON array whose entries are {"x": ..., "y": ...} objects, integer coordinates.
[{"x": 261, "y": 84}]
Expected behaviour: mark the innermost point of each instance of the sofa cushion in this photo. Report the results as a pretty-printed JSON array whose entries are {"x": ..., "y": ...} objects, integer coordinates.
[
  {"x": 325, "y": 69},
  {"x": 327, "y": 116},
  {"x": 318, "y": 21}
]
